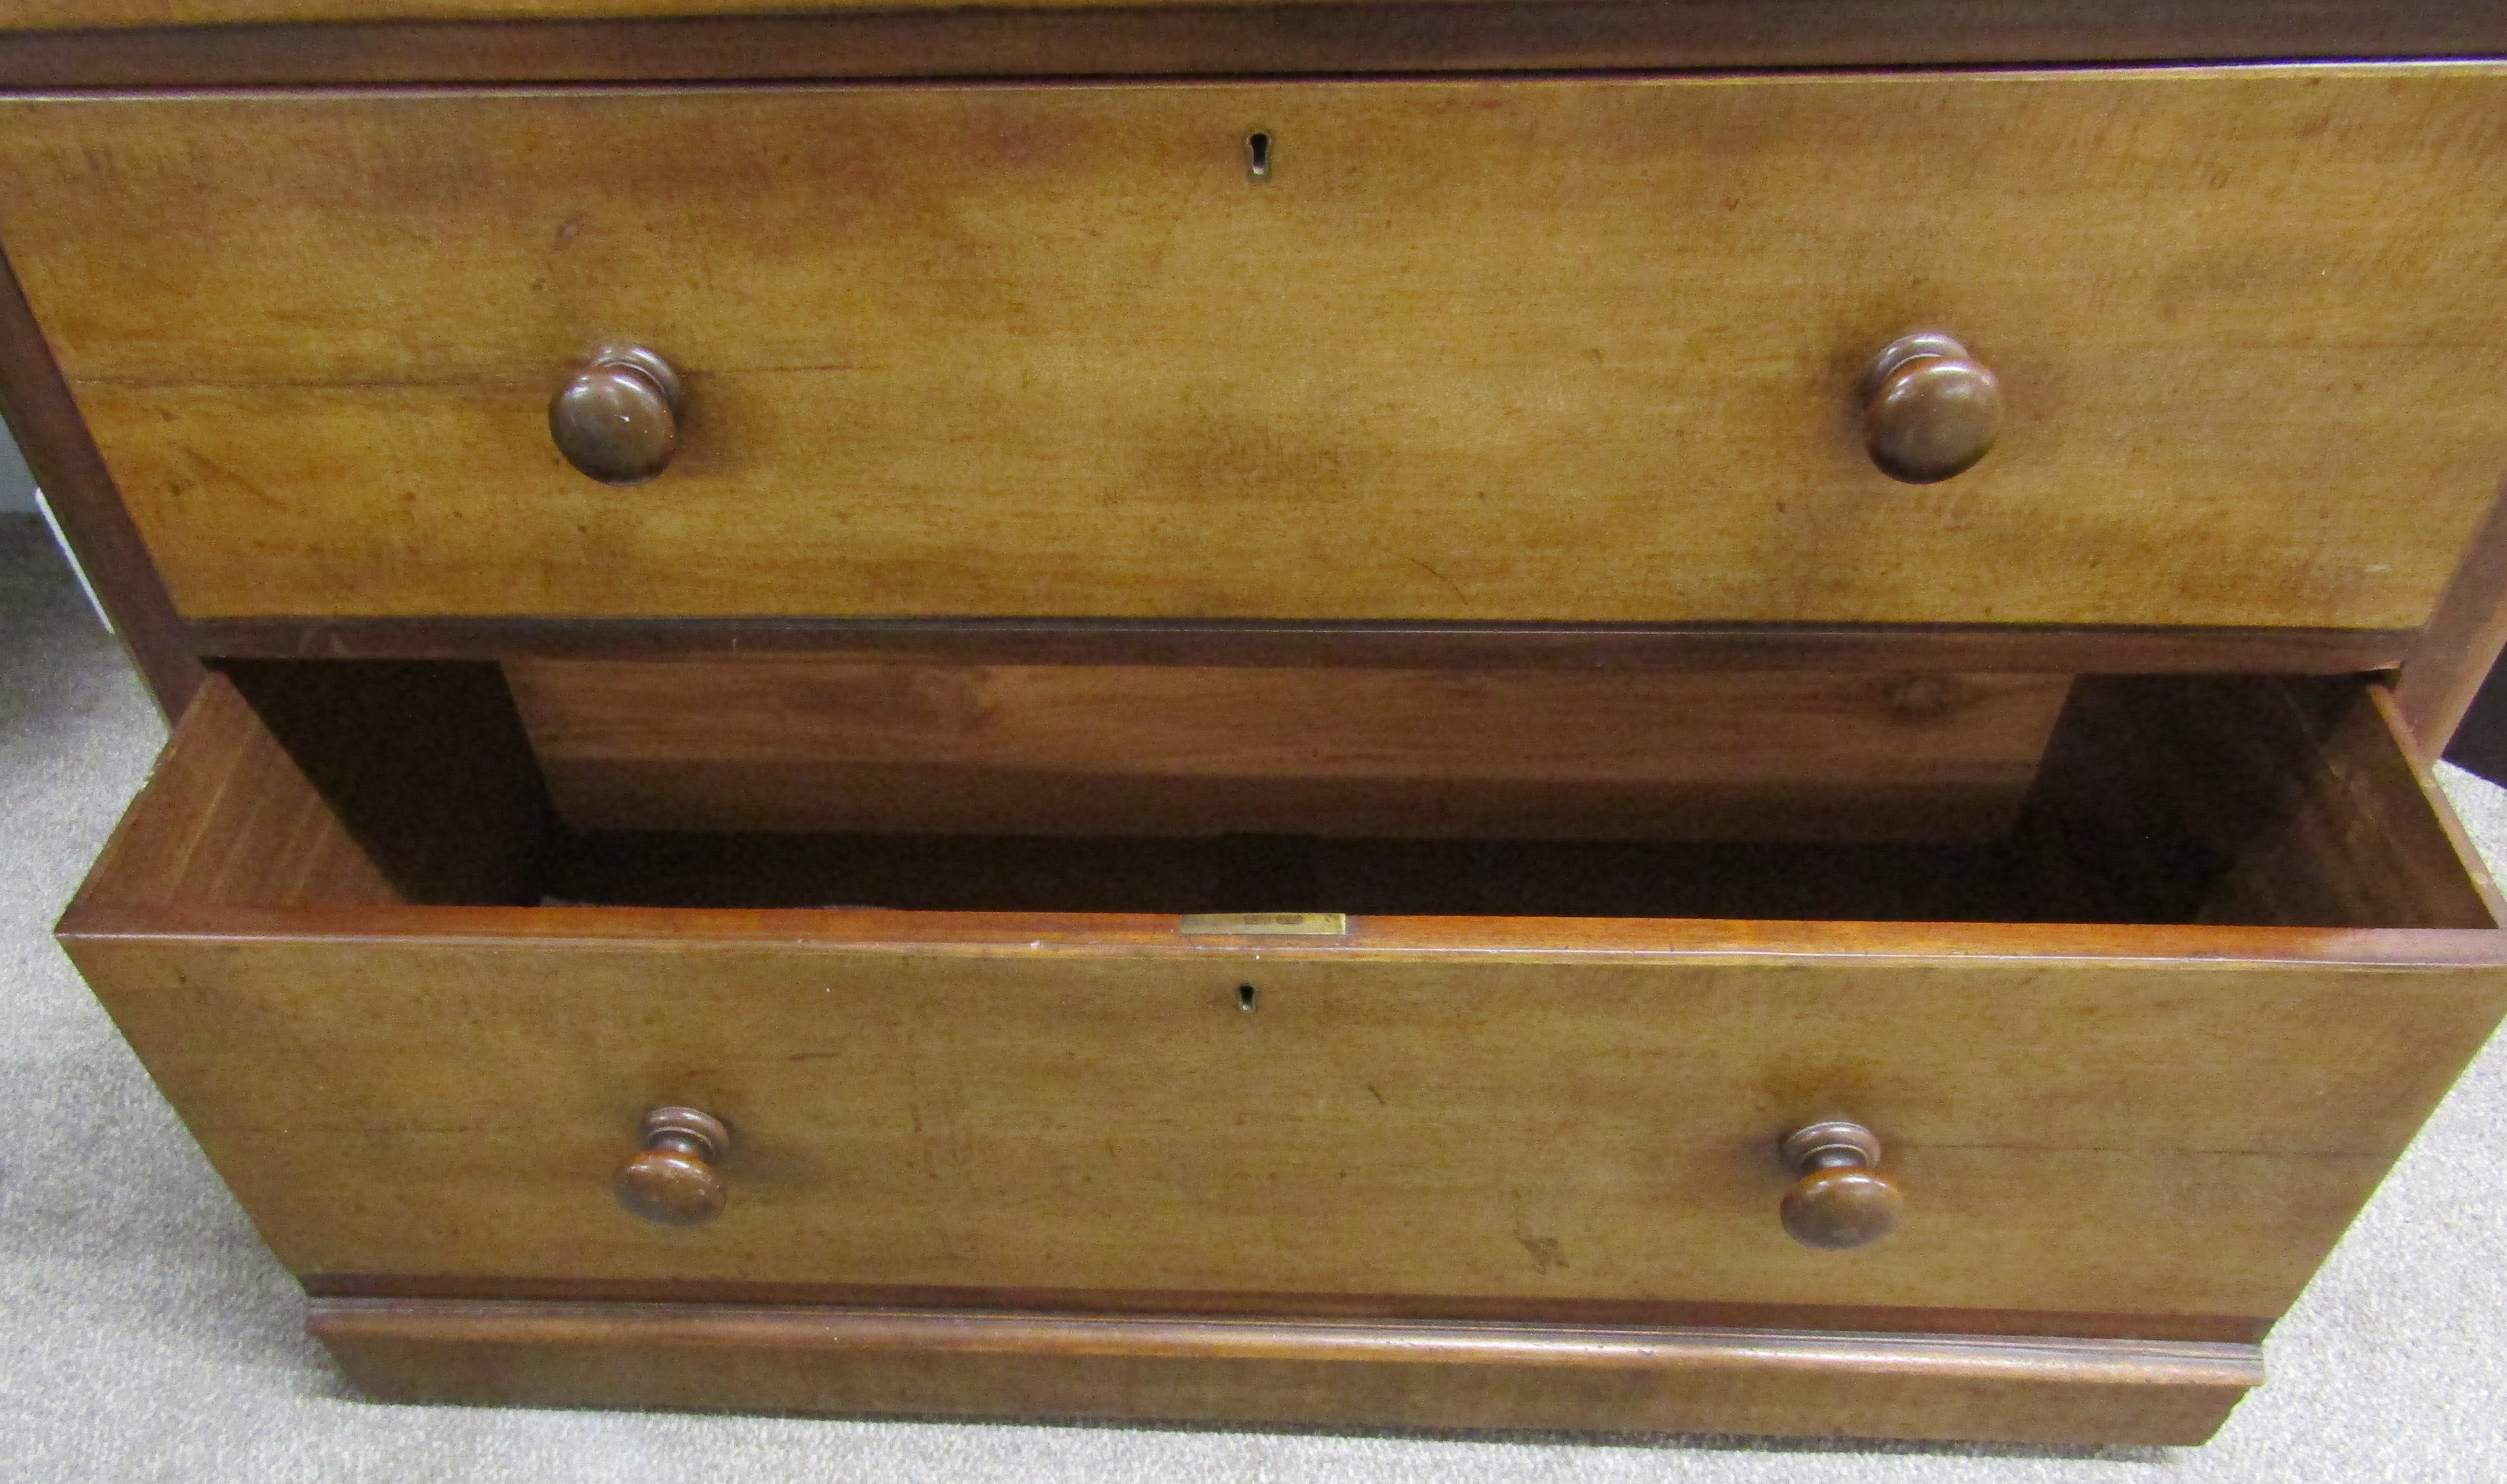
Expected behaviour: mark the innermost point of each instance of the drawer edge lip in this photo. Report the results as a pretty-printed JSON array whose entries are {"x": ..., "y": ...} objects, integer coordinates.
[
  {"x": 2201, "y": 1362},
  {"x": 1253, "y": 643},
  {"x": 1296, "y": 1307},
  {"x": 1086, "y": 934},
  {"x": 1263, "y": 39}
]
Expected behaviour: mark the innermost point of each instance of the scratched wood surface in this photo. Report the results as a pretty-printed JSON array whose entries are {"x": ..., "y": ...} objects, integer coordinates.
[
  {"x": 830, "y": 745},
  {"x": 1540, "y": 349}
]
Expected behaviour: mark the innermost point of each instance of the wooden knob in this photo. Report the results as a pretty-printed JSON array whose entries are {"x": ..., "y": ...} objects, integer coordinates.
[
  {"x": 618, "y": 421},
  {"x": 672, "y": 1180},
  {"x": 1929, "y": 410},
  {"x": 1841, "y": 1200}
]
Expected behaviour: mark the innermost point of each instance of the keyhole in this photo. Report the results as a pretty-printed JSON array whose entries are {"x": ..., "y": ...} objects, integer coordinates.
[
  {"x": 1245, "y": 998},
  {"x": 1258, "y": 156}
]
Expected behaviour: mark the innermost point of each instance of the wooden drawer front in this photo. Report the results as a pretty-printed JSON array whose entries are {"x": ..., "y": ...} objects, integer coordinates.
[
  {"x": 1579, "y": 350},
  {"x": 2122, "y": 1124},
  {"x": 1558, "y": 1115}
]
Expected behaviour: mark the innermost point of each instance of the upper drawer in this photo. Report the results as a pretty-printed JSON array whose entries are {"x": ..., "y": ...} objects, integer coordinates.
[{"x": 1575, "y": 350}]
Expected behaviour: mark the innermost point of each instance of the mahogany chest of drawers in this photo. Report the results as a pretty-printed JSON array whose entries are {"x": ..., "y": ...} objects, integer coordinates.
[{"x": 1609, "y": 715}]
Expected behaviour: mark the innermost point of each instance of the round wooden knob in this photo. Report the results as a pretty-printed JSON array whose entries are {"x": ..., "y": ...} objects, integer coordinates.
[
  {"x": 618, "y": 421},
  {"x": 672, "y": 1180},
  {"x": 1841, "y": 1200},
  {"x": 1929, "y": 410}
]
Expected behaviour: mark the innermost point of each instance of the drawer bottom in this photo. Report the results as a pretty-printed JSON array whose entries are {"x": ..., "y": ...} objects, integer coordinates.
[{"x": 1328, "y": 1372}]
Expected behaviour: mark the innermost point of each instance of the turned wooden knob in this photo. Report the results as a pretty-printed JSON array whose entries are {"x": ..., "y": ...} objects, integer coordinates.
[
  {"x": 1929, "y": 410},
  {"x": 672, "y": 1180},
  {"x": 1841, "y": 1200},
  {"x": 618, "y": 421}
]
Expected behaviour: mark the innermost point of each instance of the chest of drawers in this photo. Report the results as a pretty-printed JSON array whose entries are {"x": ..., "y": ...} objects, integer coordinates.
[{"x": 1547, "y": 716}]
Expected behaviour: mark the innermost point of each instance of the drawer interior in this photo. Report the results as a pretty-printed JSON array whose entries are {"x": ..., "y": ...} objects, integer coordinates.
[{"x": 2269, "y": 801}]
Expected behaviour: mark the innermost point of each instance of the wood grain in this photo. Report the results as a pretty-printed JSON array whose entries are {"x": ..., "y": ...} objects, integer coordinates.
[
  {"x": 2245, "y": 800},
  {"x": 39, "y": 13},
  {"x": 2368, "y": 839},
  {"x": 1862, "y": 648},
  {"x": 2167, "y": 1121},
  {"x": 46, "y": 426},
  {"x": 1613, "y": 1314},
  {"x": 1691, "y": 32},
  {"x": 2453, "y": 656},
  {"x": 1174, "y": 1369},
  {"x": 1230, "y": 40},
  {"x": 363, "y": 783},
  {"x": 1224, "y": 874},
  {"x": 425, "y": 764},
  {"x": 813, "y": 744},
  {"x": 228, "y": 817},
  {"x": 2121, "y": 1135},
  {"x": 2240, "y": 318}
]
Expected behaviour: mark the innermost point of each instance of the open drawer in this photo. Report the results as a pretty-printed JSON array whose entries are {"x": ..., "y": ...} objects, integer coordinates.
[{"x": 2134, "y": 1061}]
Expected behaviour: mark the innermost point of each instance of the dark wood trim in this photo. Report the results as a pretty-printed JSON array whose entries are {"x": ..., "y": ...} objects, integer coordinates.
[
  {"x": 2454, "y": 655},
  {"x": 2215, "y": 1328},
  {"x": 1240, "y": 40},
  {"x": 71, "y": 473},
  {"x": 1393, "y": 645},
  {"x": 1332, "y": 1372}
]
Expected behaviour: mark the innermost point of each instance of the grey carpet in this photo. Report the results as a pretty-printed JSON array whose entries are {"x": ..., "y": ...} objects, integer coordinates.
[{"x": 149, "y": 1335}]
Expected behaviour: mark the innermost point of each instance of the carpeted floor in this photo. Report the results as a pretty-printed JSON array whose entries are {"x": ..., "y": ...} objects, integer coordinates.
[{"x": 150, "y": 1336}]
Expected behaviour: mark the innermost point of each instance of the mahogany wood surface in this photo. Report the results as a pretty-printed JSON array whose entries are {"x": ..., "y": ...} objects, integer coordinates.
[
  {"x": 2169, "y": 1122},
  {"x": 2355, "y": 845},
  {"x": 1517, "y": 1150},
  {"x": 1066, "y": 328},
  {"x": 1620, "y": 1312},
  {"x": 357, "y": 783},
  {"x": 2193, "y": 1143},
  {"x": 799, "y": 744},
  {"x": 127, "y": 44},
  {"x": 424, "y": 765},
  {"x": 230, "y": 816},
  {"x": 2455, "y": 654},
  {"x": 45, "y": 424},
  {"x": 2212, "y": 1109},
  {"x": 1868, "y": 647},
  {"x": 1199, "y": 1369},
  {"x": 2245, "y": 801},
  {"x": 2161, "y": 799}
]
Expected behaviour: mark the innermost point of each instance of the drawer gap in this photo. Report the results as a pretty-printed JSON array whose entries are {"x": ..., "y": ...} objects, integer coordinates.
[{"x": 2236, "y": 801}]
